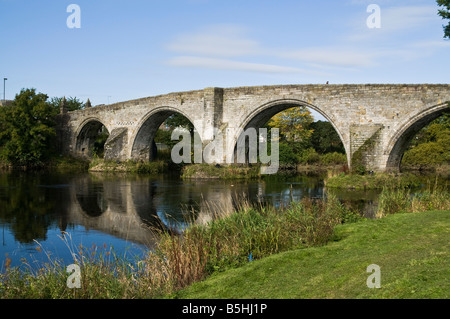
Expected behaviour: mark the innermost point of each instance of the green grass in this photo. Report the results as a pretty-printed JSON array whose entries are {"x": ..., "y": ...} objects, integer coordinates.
[
  {"x": 410, "y": 248},
  {"x": 151, "y": 168},
  {"x": 207, "y": 171}
]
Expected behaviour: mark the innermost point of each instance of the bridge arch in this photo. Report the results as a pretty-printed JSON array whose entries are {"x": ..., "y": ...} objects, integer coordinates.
[
  {"x": 86, "y": 136},
  {"x": 143, "y": 147},
  {"x": 399, "y": 142},
  {"x": 262, "y": 114}
]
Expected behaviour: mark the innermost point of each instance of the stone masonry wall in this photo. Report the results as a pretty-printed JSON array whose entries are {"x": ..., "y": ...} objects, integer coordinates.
[{"x": 355, "y": 110}]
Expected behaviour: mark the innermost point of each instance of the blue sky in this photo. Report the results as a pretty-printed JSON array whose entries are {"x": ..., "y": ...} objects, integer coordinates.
[{"x": 131, "y": 49}]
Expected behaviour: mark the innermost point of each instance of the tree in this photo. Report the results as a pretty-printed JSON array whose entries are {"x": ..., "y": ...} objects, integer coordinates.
[
  {"x": 72, "y": 104},
  {"x": 444, "y": 12},
  {"x": 28, "y": 129},
  {"x": 179, "y": 120},
  {"x": 325, "y": 139},
  {"x": 293, "y": 124}
]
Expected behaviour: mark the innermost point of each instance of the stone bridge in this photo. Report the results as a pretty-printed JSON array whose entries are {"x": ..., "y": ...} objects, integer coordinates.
[{"x": 374, "y": 121}]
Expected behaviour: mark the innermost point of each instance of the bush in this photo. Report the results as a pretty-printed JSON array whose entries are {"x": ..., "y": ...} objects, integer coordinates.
[
  {"x": 309, "y": 156},
  {"x": 333, "y": 159},
  {"x": 427, "y": 154},
  {"x": 287, "y": 154}
]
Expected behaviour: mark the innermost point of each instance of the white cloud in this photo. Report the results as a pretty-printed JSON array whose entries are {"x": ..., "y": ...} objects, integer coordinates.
[
  {"x": 395, "y": 23},
  {"x": 207, "y": 48},
  {"x": 432, "y": 44},
  {"x": 219, "y": 40},
  {"x": 219, "y": 46},
  {"x": 332, "y": 56},
  {"x": 407, "y": 17},
  {"x": 224, "y": 64}
]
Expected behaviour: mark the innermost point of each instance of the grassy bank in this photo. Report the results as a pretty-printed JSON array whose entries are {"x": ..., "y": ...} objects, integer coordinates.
[
  {"x": 68, "y": 164},
  {"x": 60, "y": 164},
  {"x": 411, "y": 250},
  {"x": 207, "y": 171},
  {"x": 152, "y": 168},
  {"x": 298, "y": 251},
  {"x": 226, "y": 172}
]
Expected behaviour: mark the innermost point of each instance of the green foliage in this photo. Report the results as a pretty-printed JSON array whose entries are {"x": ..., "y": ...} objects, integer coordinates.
[
  {"x": 164, "y": 137},
  {"x": 178, "y": 120},
  {"x": 325, "y": 139},
  {"x": 444, "y": 12},
  {"x": 72, "y": 104},
  {"x": 333, "y": 159},
  {"x": 28, "y": 129},
  {"x": 99, "y": 144},
  {"x": 309, "y": 156},
  {"x": 287, "y": 154},
  {"x": 293, "y": 124},
  {"x": 431, "y": 146}
]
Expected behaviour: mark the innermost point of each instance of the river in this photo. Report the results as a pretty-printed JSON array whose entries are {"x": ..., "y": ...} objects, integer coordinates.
[{"x": 47, "y": 216}]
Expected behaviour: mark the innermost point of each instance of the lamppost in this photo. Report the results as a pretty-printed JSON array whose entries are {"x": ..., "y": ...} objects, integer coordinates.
[{"x": 4, "y": 95}]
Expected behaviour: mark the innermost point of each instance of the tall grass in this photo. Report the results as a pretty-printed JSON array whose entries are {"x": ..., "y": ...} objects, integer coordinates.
[
  {"x": 431, "y": 198},
  {"x": 230, "y": 239},
  {"x": 239, "y": 237}
]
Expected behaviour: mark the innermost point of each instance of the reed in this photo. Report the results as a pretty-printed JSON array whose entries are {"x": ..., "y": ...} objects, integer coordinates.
[
  {"x": 239, "y": 237},
  {"x": 433, "y": 197}
]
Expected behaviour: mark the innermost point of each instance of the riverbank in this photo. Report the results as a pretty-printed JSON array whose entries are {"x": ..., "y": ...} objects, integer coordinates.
[
  {"x": 133, "y": 167},
  {"x": 59, "y": 164},
  {"x": 411, "y": 250},
  {"x": 225, "y": 172},
  {"x": 229, "y": 243}
]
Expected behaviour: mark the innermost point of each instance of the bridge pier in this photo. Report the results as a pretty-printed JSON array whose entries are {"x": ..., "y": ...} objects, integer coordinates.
[
  {"x": 116, "y": 144},
  {"x": 365, "y": 147}
]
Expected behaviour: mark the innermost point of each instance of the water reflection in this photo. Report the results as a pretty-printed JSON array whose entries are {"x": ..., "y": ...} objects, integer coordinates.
[
  {"x": 126, "y": 207},
  {"x": 122, "y": 209}
]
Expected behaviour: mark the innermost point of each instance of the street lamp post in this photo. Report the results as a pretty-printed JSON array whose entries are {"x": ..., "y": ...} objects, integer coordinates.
[{"x": 4, "y": 85}]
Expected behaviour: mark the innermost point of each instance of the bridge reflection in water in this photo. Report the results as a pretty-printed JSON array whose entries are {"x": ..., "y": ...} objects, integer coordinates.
[
  {"x": 120, "y": 211},
  {"x": 131, "y": 207}
]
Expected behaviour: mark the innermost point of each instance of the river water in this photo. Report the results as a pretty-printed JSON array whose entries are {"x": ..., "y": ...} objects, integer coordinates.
[{"x": 46, "y": 216}]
